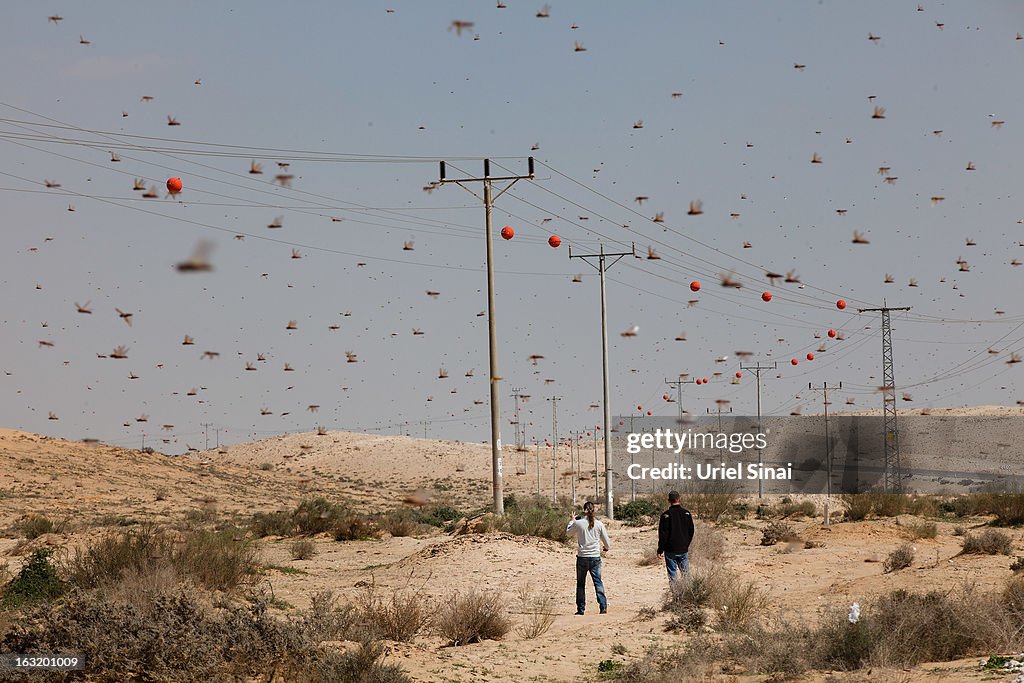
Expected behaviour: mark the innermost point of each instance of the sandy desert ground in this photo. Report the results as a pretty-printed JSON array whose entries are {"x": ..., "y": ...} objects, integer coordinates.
[{"x": 92, "y": 486}]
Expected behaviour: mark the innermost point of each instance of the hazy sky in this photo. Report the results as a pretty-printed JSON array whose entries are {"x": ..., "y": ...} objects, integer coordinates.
[{"x": 363, "y": 102}]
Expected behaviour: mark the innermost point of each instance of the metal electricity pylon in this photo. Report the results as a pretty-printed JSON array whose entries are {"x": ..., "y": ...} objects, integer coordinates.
[
  {"x": 492, "y": 330},
  {"x": 894, "y": 474},
  {"x": 602, "y": 266}
]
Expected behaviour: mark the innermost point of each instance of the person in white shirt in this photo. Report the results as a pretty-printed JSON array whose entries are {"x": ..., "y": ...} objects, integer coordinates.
[{"x": 591, "y": 539}]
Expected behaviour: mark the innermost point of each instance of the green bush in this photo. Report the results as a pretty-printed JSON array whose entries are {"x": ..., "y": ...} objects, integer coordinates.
[
  {"x": 638, "y": 511},
  {"x": 215, "y": 560},
  {"x": 354, "y": 527},
  {"x": 37, "y": 581},
  {"x": 399, "y": 523},
  {"x": 439, "y": 515},
  {"x": 278, "y": 523},
  {"x": 318, "y": 515},
  {"x": 530, "y": 517},
  {"x": 34, "y": 526}
]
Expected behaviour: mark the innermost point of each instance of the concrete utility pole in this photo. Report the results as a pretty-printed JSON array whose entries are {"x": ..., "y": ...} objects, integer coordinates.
[
  {"x": 538, "y": 469},
  {"x": 492, "y": 330},
  {"x": 554, "y": 446},
  {"x": 597, "y": 478},
  {"x": 718, "y": 407},
  {"x": 828, "y": 447},
  {"x": 894, "y": 474},
  {"x": 678, "y": 384},
  {"x": 757, "y": 369},
  {"x": 572, "y": 463},
  {"x": 206, "y": 434},
  {"x": 632, "y": 481},
  {"x": 520, "y": 432},
  {"x": 602, "y": 266}
]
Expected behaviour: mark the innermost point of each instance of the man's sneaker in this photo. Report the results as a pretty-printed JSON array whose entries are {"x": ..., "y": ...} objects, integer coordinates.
[
  {"x": 604, "y": 610},
  {"x": 579, "y": 614}
]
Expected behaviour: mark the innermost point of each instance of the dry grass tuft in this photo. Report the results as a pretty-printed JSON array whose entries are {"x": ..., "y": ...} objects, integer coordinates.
[{"x": 471, "y": 617}]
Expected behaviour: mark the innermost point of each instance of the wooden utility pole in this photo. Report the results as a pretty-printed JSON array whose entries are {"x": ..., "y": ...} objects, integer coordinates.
[{"x": 492, "y": 330}]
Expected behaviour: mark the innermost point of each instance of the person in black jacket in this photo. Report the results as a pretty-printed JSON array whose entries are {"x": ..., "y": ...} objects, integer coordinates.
[{"x": 675, "y": 531}]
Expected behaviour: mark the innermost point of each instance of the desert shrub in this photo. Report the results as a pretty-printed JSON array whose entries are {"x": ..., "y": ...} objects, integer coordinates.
[
  {"x": 648, "y": 557},
  {"x": 959, "y": 531},
  {"x": 34, "y": 526},
  {"x": 697, "y": 589},
  {"x": 36, "y": 581},
  {"x": 471, "y": 617},
  {"x": 693, "y": 661},
  {"x": 317, "y": 515},
  {"x": 708, "y": 544},
  {"x": 777, "y": 532},
  {"x": 840, "y": 644},
  {"x": 688, "y": 619},
  {"x": 988, "y": 542},
  {"x": 266, "y": 466},
  {"x": 858, "y": 506},
  {"x": 737, "y": 604},
  {"x": 530, "y": 517},
  {"x": 438, "y": 515},
  {"x": 711, "y": 501},
  {"x": 399, "y": 523},
  {"x": 1008, "y": 508},
  {"x": 639, "y": 511},
  {"x": 922, "y": 506},
  {"x": 278, "y": 523},
  {"x": 214, "y": 560},
  {"x": 922, "y": 529},
  {"x": 908, "y": 628},
  {"x": 1017, "y": 566},
  {"x": 302, "y": 549},
  {"x": 741, "y": 605},
  {"x": 784, "y": 651},
  {"x": 802, "y": 509},
  {"x": 354, "y": 527},
  {"x": 538, "y": 614},
  {"x": 900, "y": 558},
  {"x": 239, "y": 642},
  {"x": 400, "y": 615},
  {"x": 888, "y": 504}
]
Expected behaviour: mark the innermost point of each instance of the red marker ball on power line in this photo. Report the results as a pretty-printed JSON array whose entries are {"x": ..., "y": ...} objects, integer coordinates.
[
  {"x": 766, "y": 296},
  {"x": 648, "y": 412},
  {"x": 739, "y": 375},
  {"x": 832, "y": 333},
  {"x": 174, "y": 185},
  {"x": 554, "y": 241},
  {"x": 840, "y": 304},
  {"x": 508, "y": 233},
  {"x": 639, "y": 407},
  {"x": 810, "y": 356},
  {"x": 694, "y": 286},
  {"x": 705, "y": 380},
  {"x": 664, "y": 397},
  {"x": 794, "y": 361}
]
